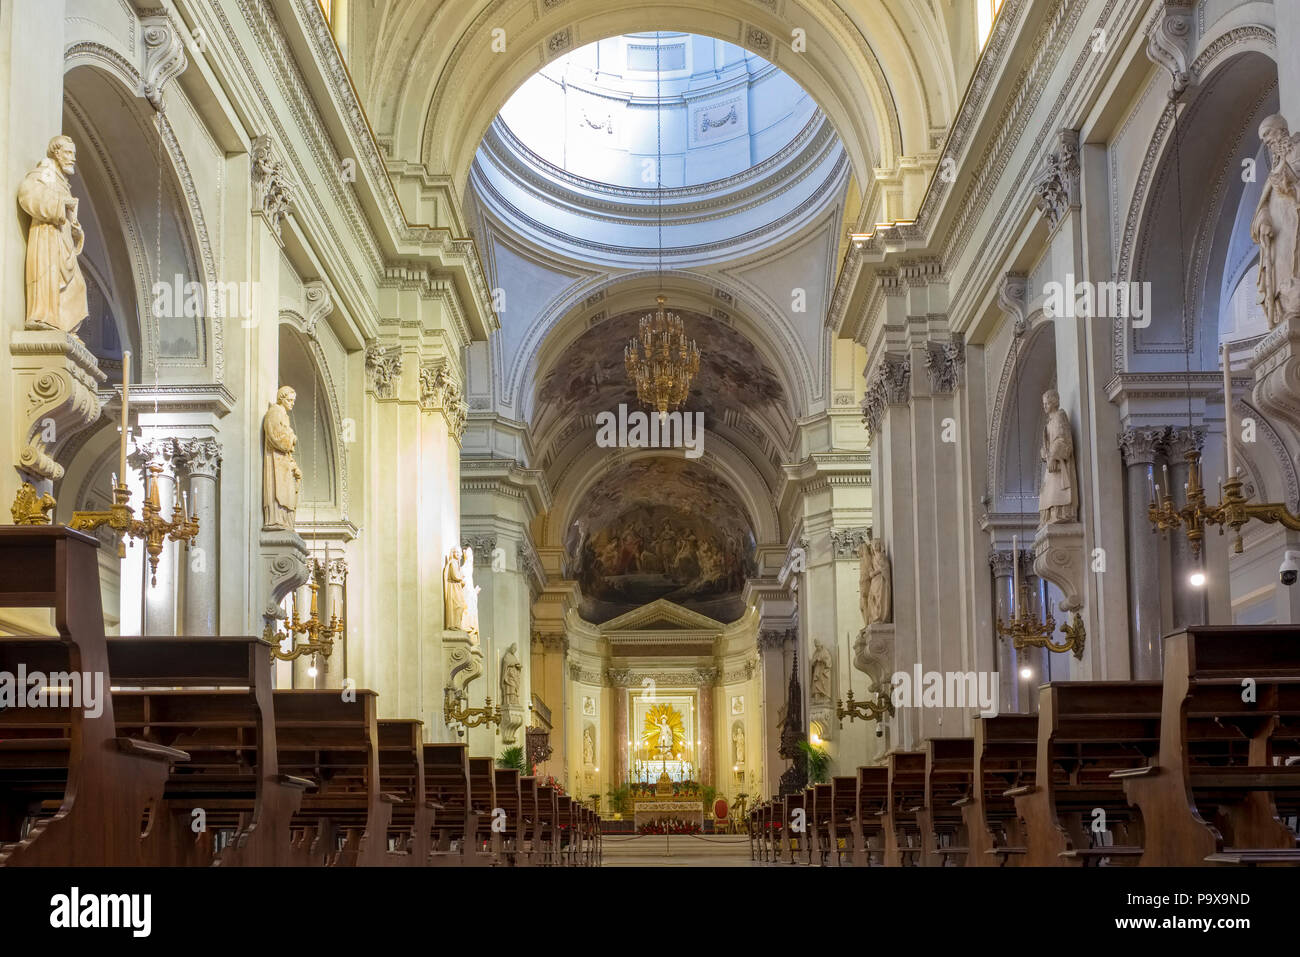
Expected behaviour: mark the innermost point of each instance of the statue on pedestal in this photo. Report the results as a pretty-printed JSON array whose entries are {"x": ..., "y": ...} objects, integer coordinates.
[
  {"x": 512, "y": 670},
  {"x": 281, "y": 477},
  {"x": 864, "y": 580},
  {"x": 1056, "y": 500},
  {"x": 588, "y": 748},
  {"x": 56, "y": 290},
  {"x": 453, "y": 591},
  {"x": 1276, "y": 225},
  {"x": 469, "y": 620},
  {"x": 880, "y": 588},
  {"x": 820, "y": 666},
  {"x": 738, "y": 744}
]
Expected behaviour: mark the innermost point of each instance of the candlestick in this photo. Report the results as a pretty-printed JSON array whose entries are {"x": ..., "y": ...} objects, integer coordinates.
[
  {"x": 1227, "y": 411},
  {"x": 126, "y": 411}
]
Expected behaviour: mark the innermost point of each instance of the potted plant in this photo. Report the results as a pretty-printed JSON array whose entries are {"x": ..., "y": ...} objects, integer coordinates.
[
  {"x": 819, "y": 762},
  {"x": 513, "y": 758},
  {"x": 620, "y": 799}
]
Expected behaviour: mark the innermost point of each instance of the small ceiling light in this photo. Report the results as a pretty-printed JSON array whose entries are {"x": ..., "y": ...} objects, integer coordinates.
[
  {"x": 1196, "y": 579},
  {"x": 1026, "y": 672}
]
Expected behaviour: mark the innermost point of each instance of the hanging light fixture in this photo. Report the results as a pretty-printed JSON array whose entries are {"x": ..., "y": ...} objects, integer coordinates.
[{"x": 661, "y": 361}]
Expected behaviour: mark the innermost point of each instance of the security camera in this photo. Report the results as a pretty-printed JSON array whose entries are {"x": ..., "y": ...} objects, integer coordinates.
[{"x": 1289, "y": 571}]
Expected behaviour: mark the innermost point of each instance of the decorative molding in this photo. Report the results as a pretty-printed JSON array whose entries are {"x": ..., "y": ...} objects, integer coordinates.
[
  {"x": 1059, "y": 184},
  {"x": 1170, "y": 43},
  {"x": 775, "y": 640},
  {"x": 483, "y": 546},
  {"x": 944, "y": 362},
  {"x": 319, "y": 305},
  {"x": 846, "y": 542},
  {"x": 198, "y": 457},
  {"x": 1179, "y": 441},
  {"x": 439, "y": 392},
  {"x": 272, "y": 190},
  {"x": 383, "y": 368},
  {"x": 618, "y": 677},
  {"x": 336, "y": 573},
  {"x": 1013, "y": 300},
  {"x": 1140, "y": 446},
  {"x": 164, "y": 58}
]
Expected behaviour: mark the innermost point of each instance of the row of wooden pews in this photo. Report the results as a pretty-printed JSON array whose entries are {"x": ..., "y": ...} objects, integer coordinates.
[
  {"x": 191, "y": 758},
  {"x": 1202, "y": 768}
]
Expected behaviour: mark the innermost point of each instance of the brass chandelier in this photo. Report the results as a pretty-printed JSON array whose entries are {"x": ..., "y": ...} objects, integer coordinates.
[{"x": 660, "y": 360}]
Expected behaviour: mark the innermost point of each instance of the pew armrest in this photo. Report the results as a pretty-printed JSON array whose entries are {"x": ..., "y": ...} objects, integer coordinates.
[
  {"x": 388, "y": 797},
  {"x": 1020, "y": 791},
  {"x": 1145, "y": 771},
  {"x": 147, "y": 749},
  {"x": 293, "y": 781}
]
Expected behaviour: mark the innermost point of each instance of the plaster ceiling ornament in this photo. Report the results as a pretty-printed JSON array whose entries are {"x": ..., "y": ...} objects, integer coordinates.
[
  {"x": 384, "y": 368},
  {"x": 164, "y": 58},
  {"x": 272, "y": 190},
  {"x": 1058, "y": 185},
  {"x": 56, "y": 289}
]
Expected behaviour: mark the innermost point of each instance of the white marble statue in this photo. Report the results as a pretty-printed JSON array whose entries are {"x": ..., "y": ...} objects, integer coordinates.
[
  {"x": 469, "y": 620},
  {"x": 864, "y": 580},
  {"x": 738, "y": 744},
  {"x": 1056, "y": 496},
  {"x": 1277, "y": 223},
  {"x": 880, "y": 590},
  {"x": 453, "y": 591},
  {"x": 56, "y": 290},
  {"x": 820, "y": 669},
  {"x": 281, "y": 477},
  {"x": 512, "y": 671},
  {"x": 665, "y": 735},
  {"x": 588, "y": 748}
]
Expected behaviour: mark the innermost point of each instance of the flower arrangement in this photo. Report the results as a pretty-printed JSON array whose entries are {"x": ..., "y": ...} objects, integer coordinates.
[{"x": 669, "y": 826}]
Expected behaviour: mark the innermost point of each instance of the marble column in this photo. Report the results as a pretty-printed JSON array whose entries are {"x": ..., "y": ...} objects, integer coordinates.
[
  {"x": 1139, "y": 448},
  {"x": 620, "y": 682},
  {"x": 201, "y": 460},
  {"x": 1003, "y": 585},
  {"x": 1189, "y": 605},
  {"x": 706, "y": 678},
  {"x": 159, "y": 591},
  {"x": 335, "y": 668}
]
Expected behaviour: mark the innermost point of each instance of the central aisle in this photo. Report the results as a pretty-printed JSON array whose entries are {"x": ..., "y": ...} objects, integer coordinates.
[{"x": 680, "y": 850}]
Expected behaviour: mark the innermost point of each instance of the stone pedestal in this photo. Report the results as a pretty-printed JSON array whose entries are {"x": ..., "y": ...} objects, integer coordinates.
[
  {"x": 54, "y": 396},
  {"x": 283, "y": 558},
  {"x": 1060, "y": 558},
  {"x": 1276, "y": 364}
]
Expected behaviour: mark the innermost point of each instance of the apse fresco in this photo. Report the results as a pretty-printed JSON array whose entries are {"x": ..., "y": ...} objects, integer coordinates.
[
  {"x": 590, "y": 377},
  {"x": 662, "y": 528}
]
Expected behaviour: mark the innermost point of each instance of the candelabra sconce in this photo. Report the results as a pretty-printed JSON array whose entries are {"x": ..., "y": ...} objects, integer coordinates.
[
  {"x": 152, "y": 528},
  {"x": 869, "y": 709},
  {"x": 1233, "y": 511},
  {"x": 1026, "y": 631},
  {"x": 455, "y": 710},
  {"x": 320, "y": 637}
]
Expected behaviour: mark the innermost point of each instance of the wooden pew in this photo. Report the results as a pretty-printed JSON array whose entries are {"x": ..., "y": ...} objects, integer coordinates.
[
  {"x": 548, "y": 823},
  {"x": 72, "y": 790},
  {"x": 446, "y": 784},
  {"x": 791, "y": 844},
  {"x": 566, "y": 830},
  {"x": 842, "y": 808},
  {"x": 1211, "y": 793},
  {"x": 868, "y": 831},
  {"x": 949, "y": 782},
  {"x": 508, "y": 800},
  {"x": 529, "y": 826},
  {"x": 401, "y": 773},
  {"x": 1005, "y": 752},
  {"x": 212, "y": 698},
  {"x": 482, "y": 791},
  {"x": 818, "y": 802},
  {"x": 898, "y": 818},
  {"x": 1086, "y": 731},
  {"x": 333, "y": 741}
]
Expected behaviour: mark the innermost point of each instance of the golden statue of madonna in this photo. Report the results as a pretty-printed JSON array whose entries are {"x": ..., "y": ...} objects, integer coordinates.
[{"x": 664, "y": 733}]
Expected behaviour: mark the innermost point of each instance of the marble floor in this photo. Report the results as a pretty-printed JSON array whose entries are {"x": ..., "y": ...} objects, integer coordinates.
[{"x": 682, "y": 850}]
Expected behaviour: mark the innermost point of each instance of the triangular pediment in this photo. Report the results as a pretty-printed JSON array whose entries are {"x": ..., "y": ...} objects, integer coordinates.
[{"x": 660, "y": 616}]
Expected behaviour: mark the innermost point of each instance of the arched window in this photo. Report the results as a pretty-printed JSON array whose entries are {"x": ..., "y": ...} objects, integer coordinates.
[{"x": 986, "y": 12}]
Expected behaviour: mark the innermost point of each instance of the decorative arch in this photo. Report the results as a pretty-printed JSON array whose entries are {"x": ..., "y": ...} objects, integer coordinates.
[{"x": 1028, "y": 367}]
